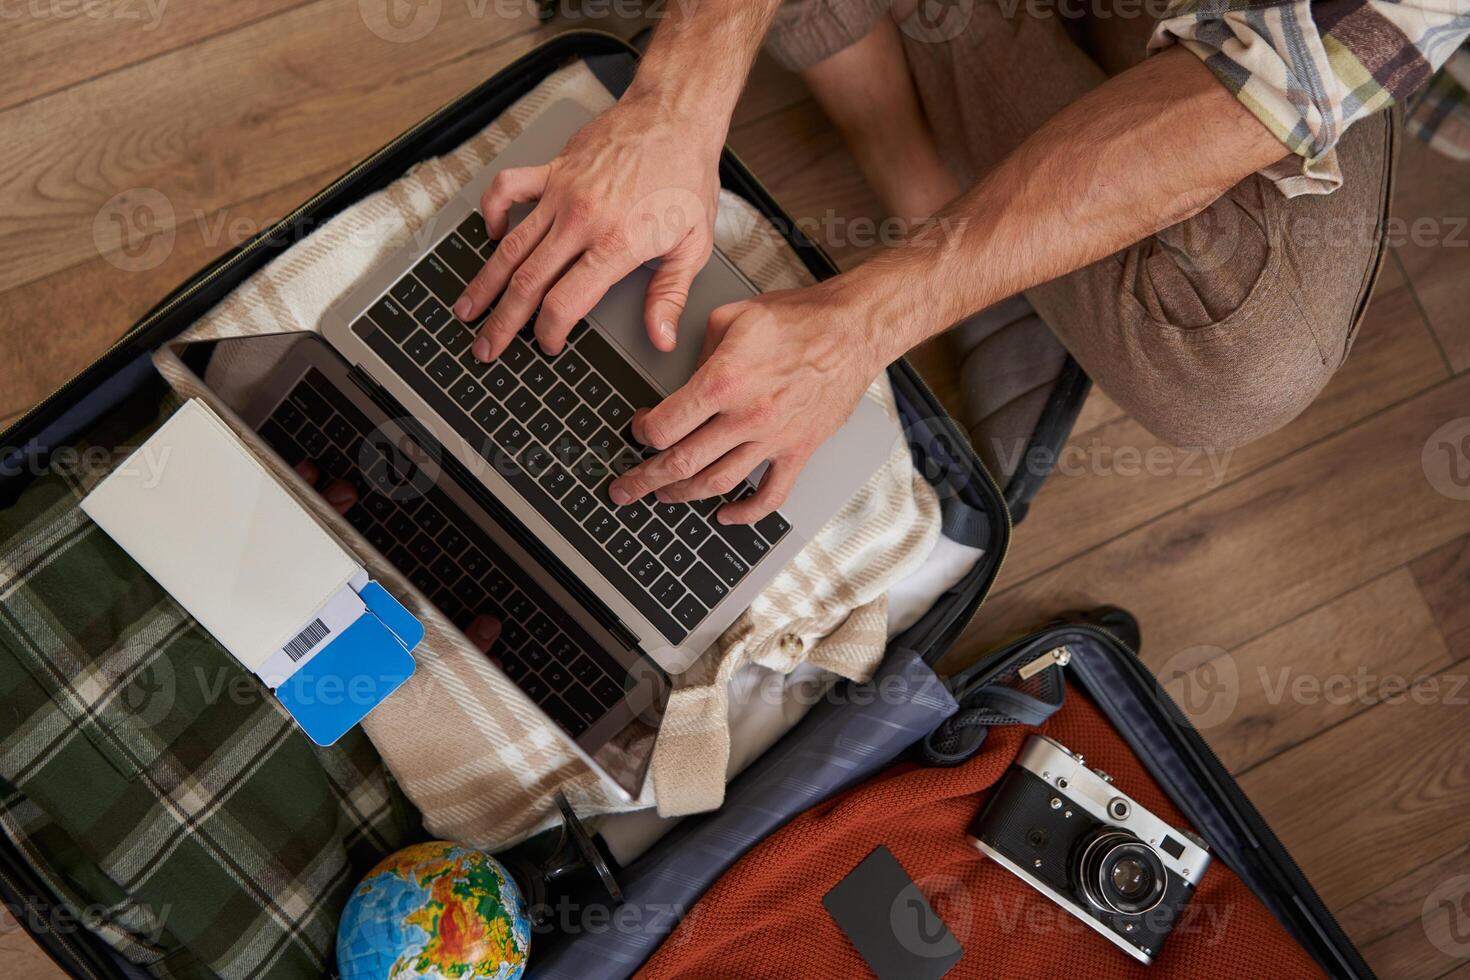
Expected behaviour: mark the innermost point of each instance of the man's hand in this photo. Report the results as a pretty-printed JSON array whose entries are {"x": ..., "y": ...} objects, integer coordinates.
[
  {"x": 781, "y": 372},
  {"x": 638, "y": 183},
  {"x": 635, "y": 184}
]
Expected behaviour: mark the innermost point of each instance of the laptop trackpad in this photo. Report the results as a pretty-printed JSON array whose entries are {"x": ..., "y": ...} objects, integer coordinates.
[{"x": 620, "y": 315}]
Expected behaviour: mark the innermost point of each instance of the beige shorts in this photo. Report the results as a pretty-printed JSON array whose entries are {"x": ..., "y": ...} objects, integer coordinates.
[{"x": 1210, "y": 333}]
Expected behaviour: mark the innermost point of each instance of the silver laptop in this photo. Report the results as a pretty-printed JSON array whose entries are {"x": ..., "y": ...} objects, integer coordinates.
[{"x": 543, "y": 437}]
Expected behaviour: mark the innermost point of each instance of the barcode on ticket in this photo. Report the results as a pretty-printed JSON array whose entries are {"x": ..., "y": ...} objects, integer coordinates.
[{"x": 314, "y": 633}]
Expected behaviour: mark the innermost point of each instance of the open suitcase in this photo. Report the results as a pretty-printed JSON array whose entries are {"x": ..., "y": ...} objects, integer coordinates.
[{"x": 975, "y": 512}]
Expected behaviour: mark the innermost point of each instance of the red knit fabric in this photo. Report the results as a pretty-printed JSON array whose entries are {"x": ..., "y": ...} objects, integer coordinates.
[{"x": 765, "y": 917}]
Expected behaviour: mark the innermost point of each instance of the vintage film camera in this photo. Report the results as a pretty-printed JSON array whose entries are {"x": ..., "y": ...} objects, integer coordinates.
[{"x": 1068, "y": 832}]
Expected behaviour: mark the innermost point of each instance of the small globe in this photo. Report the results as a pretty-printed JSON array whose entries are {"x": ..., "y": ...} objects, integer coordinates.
[{"x": 435, "y": 910}]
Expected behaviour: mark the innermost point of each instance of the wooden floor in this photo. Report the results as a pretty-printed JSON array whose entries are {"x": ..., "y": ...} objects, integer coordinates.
[{"x": 1303, "y": 582}]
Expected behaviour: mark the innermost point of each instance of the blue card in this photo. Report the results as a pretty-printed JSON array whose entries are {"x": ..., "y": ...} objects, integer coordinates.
[{"x": 355, "y": 671}]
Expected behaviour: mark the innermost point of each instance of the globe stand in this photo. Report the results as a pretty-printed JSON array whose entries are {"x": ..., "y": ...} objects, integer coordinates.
[{"x": 550, "y": 867}]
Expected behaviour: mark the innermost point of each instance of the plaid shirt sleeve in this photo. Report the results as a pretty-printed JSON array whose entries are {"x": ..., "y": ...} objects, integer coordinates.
[{"x": 1309, "y": 70}]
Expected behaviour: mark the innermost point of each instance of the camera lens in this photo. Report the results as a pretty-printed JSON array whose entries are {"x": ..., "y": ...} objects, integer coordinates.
[{"x": 1121, "y": 873}]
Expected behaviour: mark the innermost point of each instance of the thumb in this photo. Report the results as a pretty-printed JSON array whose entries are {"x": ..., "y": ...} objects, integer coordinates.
[{"x": 668, "y": 290}]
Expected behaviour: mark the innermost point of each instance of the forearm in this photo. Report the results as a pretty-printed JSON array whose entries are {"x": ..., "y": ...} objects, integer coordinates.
[
  {"x": 1143, "y": 151},
  {"x": 698, "y": 60}
]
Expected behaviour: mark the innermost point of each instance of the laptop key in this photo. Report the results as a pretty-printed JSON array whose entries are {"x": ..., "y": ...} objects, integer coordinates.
[
  {"x": 690, "y": 612},
  {"x": 459, "y": 256},
  {"x": 518, "y": 606},
  {"x": 390, "y": 315},
  {"x": 563, "y": 715},
  {"x": 536, "y": 460},
  {"x": 538, "y": 375},
  {"x": 567, "y": 450},
  {"x": 773, "y": 527},
  {"x": 512, "y": 436},
  {"x": 338, "y": 429},
  {"x": 601, "y": 525},
  {"x": 750, "y": 545},
  {"x": 616, "y": 412},
  {"x": 467, "y": 392},
  {"x": 677, "y": 558},
  {"x": 623, "y": 547},
  {"x": 424, "y": 549},
  {"x": 310, "y": 438},
  {"x": 522, "y": 404},
  {"x": 288, "y": 416},
  {"x": 561, "y": 399},
  {"x": 557, "y": 480},
  {"x": 584, "y": 704},
  {"x": 693, "y": 530},
  {"x": 558, "y": 676},
  {"x": 446, "y": 571},
  {"x": 571, "y": 367},
  {"x": 634, "y": 516},
  {"x": 546, "y": 426},
  {"x": 432, "y": 314},
  {"x": 445, "y": 370},
  {"x": 585, "y": 670},
  {"x": 723, "y": 561},
  {"x": 579, "y": 503},
  {"x": 672, "y": 514},
  {"x": 430, "y": 519},
  {"x": 472, "y": 230},
  {"x": 542, "y": 628},
  {"x": 422, "y": 347},
  {"x": 517, "y": 355},
  {"x": 705, "y": 584},
  {"x": 409, "y": 292},
  {"x": 593, "y": 389},
  {"x": 474, "y": 563},
  {"x": 584, "y": 422},
  {"x": 667, "y": 590},
  {"x": 536, "y": 689},
  {"x": 450, "y": 539},
  {"x": 456, "y": 338},
  {"x": 645, "y": 569},
  {"x": 562, "y": 649},
  {"x": 378, "y": 505},
  {"x": 608, "y": 691},
  {"x": 442, "y": 282},
  {"x": 655, "y": 536},
  {"x": 499, "y": 381},
  {"x": 534, "y": 653},
  {"x": 489, "y": 414},
  {"x": 604, "y": 442}
]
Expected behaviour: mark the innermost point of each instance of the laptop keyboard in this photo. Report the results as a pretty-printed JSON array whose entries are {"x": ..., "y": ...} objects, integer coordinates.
[
  {"x": 446, "y": 555},
  {"x": 558, "y": 429}
]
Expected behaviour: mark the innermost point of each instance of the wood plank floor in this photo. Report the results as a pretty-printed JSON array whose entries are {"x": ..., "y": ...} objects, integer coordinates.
[{"x": 1323, "y": 573}]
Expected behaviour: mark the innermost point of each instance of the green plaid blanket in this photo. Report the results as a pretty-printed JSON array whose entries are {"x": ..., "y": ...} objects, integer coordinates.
[{"x": 160, "y": 789}]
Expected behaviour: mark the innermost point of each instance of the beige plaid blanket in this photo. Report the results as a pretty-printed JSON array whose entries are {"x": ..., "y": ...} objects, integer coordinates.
[{"x": 467, "y": 747}]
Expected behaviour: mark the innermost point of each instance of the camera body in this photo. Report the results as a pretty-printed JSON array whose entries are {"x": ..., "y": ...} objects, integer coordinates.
[{"x": 1068, "y": 832}]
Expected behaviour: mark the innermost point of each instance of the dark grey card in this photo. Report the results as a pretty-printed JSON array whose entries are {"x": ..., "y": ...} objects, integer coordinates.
[{"x": 890, "y": 922}]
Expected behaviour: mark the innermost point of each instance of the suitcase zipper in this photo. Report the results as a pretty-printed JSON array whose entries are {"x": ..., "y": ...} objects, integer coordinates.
[{"x": 1058, "y": 657}]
